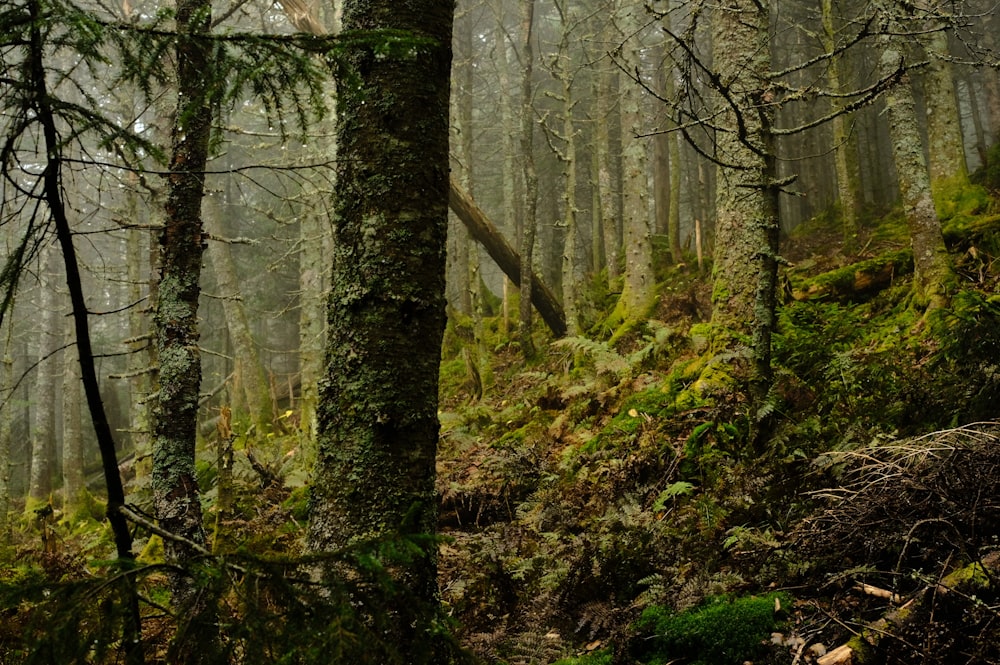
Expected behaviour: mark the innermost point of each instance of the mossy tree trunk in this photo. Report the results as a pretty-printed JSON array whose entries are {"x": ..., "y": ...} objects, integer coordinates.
[
  {"x": 378, "y": 426},
  {"x": 639, "y": 286},
  {"x": 746, "y": 245},
  {"x": 932, "y": 269},
  {"x": 945, "y": 147},
  {"x": 182, "y": 242}
]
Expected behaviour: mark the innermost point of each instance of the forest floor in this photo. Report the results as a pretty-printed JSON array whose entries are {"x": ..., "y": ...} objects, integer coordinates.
[
  {"x": 622, "y": 504},
  {"x": 626, "y": 503}
]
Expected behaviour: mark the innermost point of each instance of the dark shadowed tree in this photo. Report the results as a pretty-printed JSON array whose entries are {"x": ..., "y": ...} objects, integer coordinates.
[{"x": 377, "y": 418}]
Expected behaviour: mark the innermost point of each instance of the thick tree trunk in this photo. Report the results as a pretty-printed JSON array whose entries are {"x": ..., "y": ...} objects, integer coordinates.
[
  {"x": 485, "y": 233},
  {"x": 932, "y": 269},
  {"x": 746, "y": 244},
  {"x": 639, "y": 288},
  {"x": 378, "y": 426},
  {"x": 945, "y": 148},
  {"x": 182, "y": 241}
]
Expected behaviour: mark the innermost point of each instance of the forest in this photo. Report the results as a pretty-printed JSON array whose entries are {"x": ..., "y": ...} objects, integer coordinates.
[{"x": 514, "y": 332}]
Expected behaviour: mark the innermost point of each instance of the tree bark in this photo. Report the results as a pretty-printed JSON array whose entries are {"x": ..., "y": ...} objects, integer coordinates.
[
  {"x": 175, "y": 489},
  {"x": 43, "y": 410},
  {"x": 932, "y": 269},
  {"x": 746, "y": 245},
  {"x": 529, "y": 222},
  {"x": 378, "y": 426},
  {"x": 945, "y": 147},
  {"x": 639, "y": 288}
]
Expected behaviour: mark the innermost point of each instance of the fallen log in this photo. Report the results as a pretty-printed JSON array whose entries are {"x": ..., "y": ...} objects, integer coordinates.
[
  {"x": 856, "y": 280},
  {"x": 486, "y": 234}
]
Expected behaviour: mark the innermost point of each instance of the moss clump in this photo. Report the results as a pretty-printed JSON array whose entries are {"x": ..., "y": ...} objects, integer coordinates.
[
  {"x": 720, "y": 631},
  {"x": 955, "y": 197},
  {"x": 596, "y": 658}
]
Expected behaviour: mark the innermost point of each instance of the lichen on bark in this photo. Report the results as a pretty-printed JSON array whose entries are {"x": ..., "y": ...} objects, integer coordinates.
[{"x": 377, "y": 417}]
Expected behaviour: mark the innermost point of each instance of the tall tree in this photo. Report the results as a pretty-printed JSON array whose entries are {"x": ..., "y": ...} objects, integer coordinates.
[
  {"x": 529, "y": 222},
  {"x": 930, "y": 256},
  {"x": 746, "y": 245},
  {"x": 175, "y": 488},
  {"x": 43, "y": 408},
  {"x": 378, "y": 425},
  {"x": 639, "y": 287}
]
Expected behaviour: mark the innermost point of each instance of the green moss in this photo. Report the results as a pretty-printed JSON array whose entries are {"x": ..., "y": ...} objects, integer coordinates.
[
  {"x": 597, "y": 658},
  {"x": 856, "y": 278},
  {"x": 720, "y": 631},
  {"x": 297, "y": 503},
  {"x": 152, "y": 552},
  {"x": 956, "y": 197}
]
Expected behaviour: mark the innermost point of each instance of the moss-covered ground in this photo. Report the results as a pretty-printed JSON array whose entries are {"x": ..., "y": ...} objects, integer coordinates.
[{"x": 620, "y": 499}]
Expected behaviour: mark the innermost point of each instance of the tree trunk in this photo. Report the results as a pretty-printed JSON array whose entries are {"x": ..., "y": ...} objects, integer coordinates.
[
  {"x": 668, "y": 163},
  {"x": 746, "y": 242},
  {"x": 845, "y": 154},
  {"x": 175, "y": 488},
  {"x": 639, "y": 288},
  {"x": 72, "y": 457},
  {"x": 509, "y": 183},
  {"x": 378, "y": 426},
  {"x": 43, "y": 411},
  {"x": 139, "y": 360},
  {"x": 932, "y": 269},
  {"x": 528, "y": 221},
  {"x": 250, "y": 378},
  {"x": 945, "y": 147},
  {"x": 562, "y": 70},
  {"x": 607, "y": 186}
]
